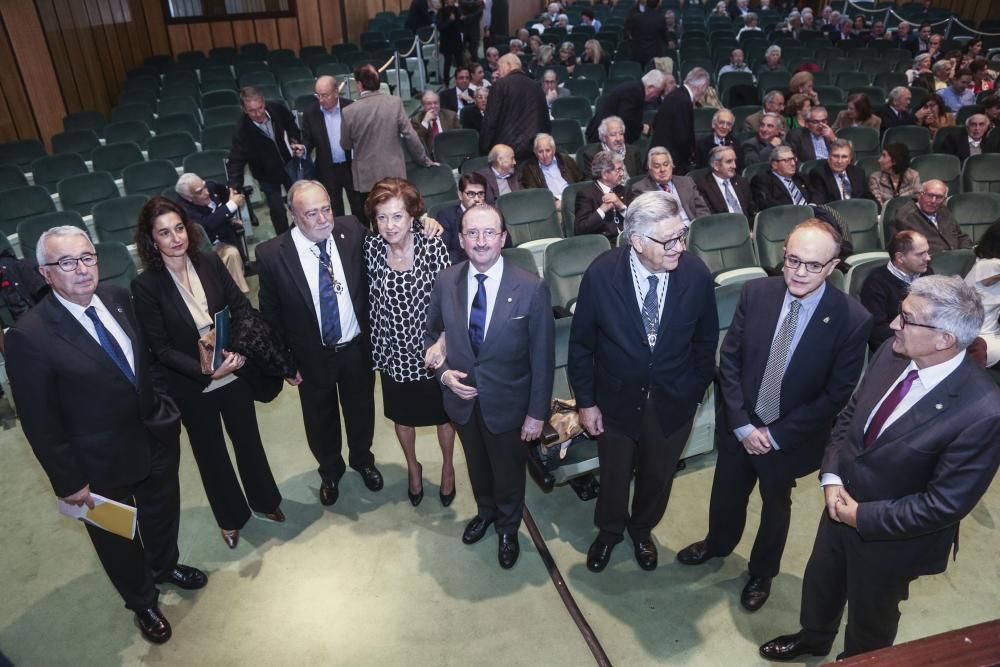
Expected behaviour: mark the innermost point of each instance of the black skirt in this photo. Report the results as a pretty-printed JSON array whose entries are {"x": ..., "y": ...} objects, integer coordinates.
[{"x": 416, "y": 403}]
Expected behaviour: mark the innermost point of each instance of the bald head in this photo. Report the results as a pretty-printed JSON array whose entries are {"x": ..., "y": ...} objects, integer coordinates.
[
  {"x": 326, "y": 92},
  {"x": 508, "y": 63}
]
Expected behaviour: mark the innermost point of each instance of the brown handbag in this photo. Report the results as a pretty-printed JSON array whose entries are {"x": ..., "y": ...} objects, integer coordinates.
[
  {"x": 206, "y": 352},
  {"x": 563, "y": 423}
]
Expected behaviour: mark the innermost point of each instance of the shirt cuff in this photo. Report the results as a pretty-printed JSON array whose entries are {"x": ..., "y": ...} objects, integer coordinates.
[
  {"x": 231, "y": 206},
  {"x": 601, "y": 213},
  {"x": 829, "y": 479},
  {"x": 774, "y": 443},
  {"x": 743, "y": 431}
]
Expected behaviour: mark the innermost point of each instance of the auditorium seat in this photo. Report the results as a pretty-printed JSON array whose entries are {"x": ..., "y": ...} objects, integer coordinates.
[
  {"x": 981, "y": 173},
  {"x": 953, "y": 262},
  {"x": 566, "y": 260},
  {"x": 453, "y": 147},
  {"x": 940, "y": 166},
  {"x": 85, "y": 120},
  {"x": 975, "y": 212},
  {"x": 574, "y": 108},
  {"x": 80, "y": 193},
  {"x": 172, "y": 146},
  {"x": 568, "y": 207},
  {"x": 861, "y": 216},
  {"x": 21, "y": 152},
  {"x": 116, "y": 219},
  {"x": 117, "y": 267},
  {"x": 11, "y": 177},
  {"x": 435, "y": 184},
  {"x": 22, "y": 203},
  {"x": 530, "y": 215},
  {"x": 209, "y": 164},
  {"x": 917, "y": 139},
  {"x": 149, "y": 178},
  {"x": 132, "y": 131},
  {"x": 771, "y": 228},
  {"x": 568, "y": 135},
  {"x": 113, "y": 158},
  {"x": 32, "y": 228},
  {"x": 860, "y": 268},
  {"x": 179, "y": 122},
  {"x": 175, "y": 105}
]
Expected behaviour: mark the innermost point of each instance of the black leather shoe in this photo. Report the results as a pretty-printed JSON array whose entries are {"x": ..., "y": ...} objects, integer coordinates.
[
  {"x": 694, "y": 554},
  {"x": 645, "y": 554},
  {"x": 416, "y": 498},
  {"x": 328, "y": 493},
  {"x": 231, "y": 538},
  {"x": 277, "y": 515},
  {"x": 789, "y": 647},
  {"x": 756, "y": 593},
  {"x": 372, "y": 477},
  {"x": 476, "y": 529},
  {"x": 508, "y": 550},
  {"x": 186, "y": 577},
  {"x": 598, "y": 555},
  {"x": 153, "y": 625},
  {"x": 446, "y": 499}
]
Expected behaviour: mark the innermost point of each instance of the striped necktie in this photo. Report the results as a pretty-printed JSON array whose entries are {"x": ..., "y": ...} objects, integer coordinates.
[
  {"x": 793, "y": 190},
  {"x": 769, "y": 397}
]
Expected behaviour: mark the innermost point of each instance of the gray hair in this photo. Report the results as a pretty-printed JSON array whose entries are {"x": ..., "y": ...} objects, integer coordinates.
[
  {"x": 974, "y": 116},
  {"x": 602, "y": 129},
  {"x": 648, "y": 210},
  {"x": 941, "y": 67},
  {"x": 773, "y": 94},
  {"x": 715, "y": 155},
  {"x": 542, "y": 136},
  {"x": 814, "y": 109},
  {"x": 299, "y": 186},
  {"x": 780, "y": 152},
  {"x": 62, "y": 230},
  {"x": 603, "y": 161},
  {"x": 657, "y": 151},
  {"x": 516, "y": 44},
  {"x": 921, "y": 58},
  {"x": 897, "y": 92},
  {"x": 842, "y": 143},
  {"x": 185, "y": 184},
  {"x": 698, "y": 77},
  {"x": 721, "y": 111},
  {"x": 955, "y": 307},
  {"x": 774, "y": 48},
  {"x": 494, "y": 153},
  {"x": 653, "y": 77},
  {"x": 777, "y": 117}
]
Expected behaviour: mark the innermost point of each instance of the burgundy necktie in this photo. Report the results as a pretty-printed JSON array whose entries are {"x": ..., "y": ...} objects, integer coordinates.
[{"x": 890, "y": 403}]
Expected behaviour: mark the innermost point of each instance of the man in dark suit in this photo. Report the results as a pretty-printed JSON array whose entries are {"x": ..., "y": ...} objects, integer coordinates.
[
  {"x": 457, "y": 98},
  {"x": 516, "y": 112},
  {"x": 660, "y": 177},
  {"x": 897, "y": 112},
  {"x": 600, "y": 209},
  {"x": 646, "y": 32},
  {"x": 813, "y": 141},
  {"x": 885, "y": 288},
  {"x": 782, "y": 185},
  {"x": 789, "y": 361},
  {"x": 929, "y": 216},
  {"x": 910, "y": 457},
  {"x": 839, "y": 179},
  {"x": 549, "y": 169},
  {"x": 94, "y": 408},
  {"x": 758, "y": 149},
  {"x": 497, "y": 372},
  {"x": 472, "y": 114},
  {"x": 216, "y": 208},
  {"x": 611, "y": 133},
  {"x": 471, "y": 192},
  {"x": 722, "y": 135},
  {"x": 266, "y": 138},
  {"x": 673, "y": 127},
  {"x": 321, "y": 123},
  {"x": 314, "y": 293},
  {"x": 641, "y": 354},
  {"x": 626, "y": 101},
  {"x": 432, "y": 120},
  {"x": 724, "y": 190},
  {"x": 970, "y": 140},
  {"x": 499, "y": 174}
]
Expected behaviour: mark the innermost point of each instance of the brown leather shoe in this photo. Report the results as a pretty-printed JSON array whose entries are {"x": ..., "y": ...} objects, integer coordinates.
[
  {"x": 153, "y": 625},
  {"x": 277, "y": 515},
  {"x": 231, "y": 538}
]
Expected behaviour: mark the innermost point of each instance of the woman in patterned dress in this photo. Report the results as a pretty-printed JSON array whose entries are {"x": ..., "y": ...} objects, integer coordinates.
[{"x": 402, "y": 266}]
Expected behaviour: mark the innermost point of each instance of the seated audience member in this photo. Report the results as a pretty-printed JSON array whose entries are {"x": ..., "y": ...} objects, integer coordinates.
[
  {"x": 812, "y": 142},
  {"x": 904, "y": 38},
  {"x": 499, "y": 174},
  {"x": 549, "y": 169},
  {"x": 723, "y": 123},
  {"x": 894, "y": 177},
  {"x": 611, "y": 134},
  {"x": 552, "y": 89},
  {"x": 959, "y": 92},
  {"x": 216, "y": 208},
  {"x": 929, "y": 216},
  {"x": 472, "y": 115},
  {"x": 471, "y": 192},
  {"x": 736, "y": 64},
  {"x": 774, "y": 102},
  {"x": 460, "y": 96},
  {"x": 982, "y": 78},
  {"x": 921, "y": 74},
  {"x": 802, "y": 83},
  {"x": 588, "y": 19},
  {"x": 432, "y": 120},
  {"x": 493, "y": 62},
  {"x": 593, "y": 53},
  {"x": 724, "y": 190},
  {"x": 941, "y": 75},
  {"x": 682, "y": 189},
  {"x": 479, "y": 78},
  {"x": 768, "y": 136},
  {"x": 749, "y": 25},
  {"x": 933, "y": 114},
  {"x": 857, "y": 114},
  {"x": 797, "y": 111},
  {"x": 885, "y": 288},
  {"x": 772, "y": 61},
  {"x": 600, "y": 209},
  {"x": 985, "y": 278},
  {"x": 515, "y": 46},
  {"x": 897, "y": 112},
  {"x": 991, "y": 107},
  {"x": 839, "y": 178},
  {"x": 567, "y": 57},
  {"x": 782, "y": 185},
  {"x": 970, "y": 140}
]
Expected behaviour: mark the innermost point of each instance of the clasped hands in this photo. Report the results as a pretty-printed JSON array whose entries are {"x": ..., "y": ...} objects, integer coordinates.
[
  {"x": 758, "y": 442},
  {"x": 841, "y": 507}
]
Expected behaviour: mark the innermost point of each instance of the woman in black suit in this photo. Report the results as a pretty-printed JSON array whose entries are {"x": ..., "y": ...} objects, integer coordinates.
[{"x": 176, "y": 299}]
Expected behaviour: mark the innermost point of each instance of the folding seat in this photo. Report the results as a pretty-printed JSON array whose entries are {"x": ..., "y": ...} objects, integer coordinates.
[
  {"x": 210, "y": 165},
  {"x": 22, "y": 203},
  {"x": 917, "y": 139},
  {"x": 116, "y": 219},
  {"x": 172, "y": 146},
  {"x": 21, "y": 152},
  {"x": 32, "y": 228},
  {"x": 117, "y": 266},
  {"x": 940, "y": 166},
  {"x": 723, "y": 242},
  {"x": 149, "y": 178},
  {"x": 80, "y": 193},
  {"x": 770, "y": 230},
  {"x": 568, "y": 135},
  {"x": 85, "y": 120},
  {"x": 530, "y": 215},
  {"x": 975, "y": 212},
  {"x": 453, "y": 147},
  {"x": 115, "y": 157},
  {"x": 566, "y": 260},
  {"x": 435, "y": 184},
  {"x": 179, "y": 122},
  {"x": 132, "y": 131}
]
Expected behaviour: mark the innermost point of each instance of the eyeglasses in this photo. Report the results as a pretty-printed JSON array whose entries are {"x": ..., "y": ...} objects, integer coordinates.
[
  {"x": 904, "y": 322},
  {"x": 487, "y": 234},
  {"x": 670, "y": 243},
  {"x": 69, "y": 264},
  {"x": 932, "y": 195},
  {"x": 314, "y": 215},
  {"x": 794, "y": 263},
  {"x": 477, "y": 194}
]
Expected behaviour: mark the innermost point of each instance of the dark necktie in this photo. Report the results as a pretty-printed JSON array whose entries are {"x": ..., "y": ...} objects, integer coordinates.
[
  {"x": 477, "y": 318},
  {"x": 890, "y": 403},
  {"x": 797, "y": 197},
  {"x": 845, "y": 185},
  {"x": 110, "y": 345},
  {"x": 730, "y": 196},
  {"x": 329, "y": 309},
  {"x": 769, "y": 398},
  {"x": 434, "y": 129},
  {"x": 651, "y": 311}
]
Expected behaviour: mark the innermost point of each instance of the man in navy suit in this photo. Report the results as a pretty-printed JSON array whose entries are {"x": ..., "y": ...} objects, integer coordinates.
[
  {"x": 838, "y": 179},
  {"x": 471, "y": 192},
  {"x": 910, "y": 457},
  {"x": 782, "y": 185},
  {"x": 790, "y": 360},
  {"x": 641, "y": 354}
]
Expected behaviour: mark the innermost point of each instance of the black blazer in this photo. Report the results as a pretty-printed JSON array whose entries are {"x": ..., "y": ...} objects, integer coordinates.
[
  {"x": 610, "y": 363},
  {"x": 822, "y": 373},
  {"x": 471, "y": 118},
  {"x": 586, "y": 219},
  {"x": 315, "y": 137},
  {"x": 891, "y": 119},
  {"x": 768, "y": 190},
  {"x": 800, "y": 139},
  {"x": 823, "y": 184},
  {"x": 86, "y": 423},
  {"x": 716, "y": 200},
  {"x": 705, "y": 145},
  {"x": 266, "y": 158},
  {"x": 673, "y": 128},
  {"x": 167, "y": 323},
  {"x": 626, "y": 100},
  {"x": 287, "y": 304},
  {"x": 218, "y": 223},
  {"x": 449, "y": 99}
]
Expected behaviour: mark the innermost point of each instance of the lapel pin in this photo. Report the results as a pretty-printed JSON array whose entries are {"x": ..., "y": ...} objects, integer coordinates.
[
  {"x": 341, "y": 236},
  {"x": 509, "y": 299},
  {"x": 826, "y": 320},
  {"x": 939, "y": 406},
  {"x": 120, "y": 309}
]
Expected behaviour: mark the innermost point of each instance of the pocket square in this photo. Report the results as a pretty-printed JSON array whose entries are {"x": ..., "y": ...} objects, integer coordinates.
[{"x": 519, "y": 317}]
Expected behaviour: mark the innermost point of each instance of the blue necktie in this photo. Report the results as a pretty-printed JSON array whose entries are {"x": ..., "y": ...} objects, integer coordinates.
[
  {"x": 477, "y": 318},
  {"x": 797, "y": 197},
  {"x": 651, "y": 310},
  {"x": 846, "y": 185},
  {"x": 110, "y": 345},
  {"x": 329, "y": 309}
]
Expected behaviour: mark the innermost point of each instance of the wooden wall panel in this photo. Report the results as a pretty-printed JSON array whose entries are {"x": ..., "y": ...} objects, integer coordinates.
[
  {"x": 222, "y": 33},
  {"x": 201, "y": 37},
  {"x": 243, "y": 33},
  {"x": 310, "y": 30},
  {"x": 16, "y": 119},
  {"x": 288, "y": 34},
  {"x": 329, "y": 19},
  {"x": 60, "y": 56},
  {"x": 267, "y": 33},
  {"x": 156, "y": 27},
  {"x": 180, "y": 38}
]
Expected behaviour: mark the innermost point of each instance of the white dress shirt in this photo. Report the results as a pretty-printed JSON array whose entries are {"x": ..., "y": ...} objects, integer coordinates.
[
  {"x": 107, "y": 319},
  {"x": 309, "y": 258},
  {"x": 721, "y": 182},
  {"x": 640, "y": 283},
  {"x": 491, "y": 285}
]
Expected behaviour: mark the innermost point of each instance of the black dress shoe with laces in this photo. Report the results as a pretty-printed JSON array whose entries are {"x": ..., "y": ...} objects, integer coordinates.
[
  {"x": 153, "y": 625},
  {"x": 755, "y": 593},
  {"x": 789, "y": 647},
  {"x": 184, "y": 576},
  {"x": 598, "y": 555},
  {"x": 645, "y": 554},
  {"x": 508, "y": 550},
  {"x": 372, "y": 477},
  {"x": 476, "y": 529},
  {"x": 328, "y": 493},
  {"x": 694, "y": 554}
]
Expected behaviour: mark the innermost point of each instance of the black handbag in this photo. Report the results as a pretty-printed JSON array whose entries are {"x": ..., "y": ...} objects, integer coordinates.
[
  {"x": 300, "y": 169},
  {"x": 268, "y": 363}
]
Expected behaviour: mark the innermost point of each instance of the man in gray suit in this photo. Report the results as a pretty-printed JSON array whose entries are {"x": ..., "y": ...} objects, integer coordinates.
[
  {"x": 682, "y": 189},
  {"x": 372, "y": 127},
  {"x": 497, "y": 370}
]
